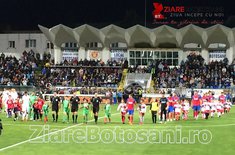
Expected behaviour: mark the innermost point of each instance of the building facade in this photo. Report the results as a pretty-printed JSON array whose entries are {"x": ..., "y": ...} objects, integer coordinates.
[{"x": 138, "y": 44}]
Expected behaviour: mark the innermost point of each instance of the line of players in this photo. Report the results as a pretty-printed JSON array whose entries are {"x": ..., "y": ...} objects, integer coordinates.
[
  {"x": 172, "y": 108},
  {"x": 34, "y": 107},
  {"x": 166, "y": 108}
]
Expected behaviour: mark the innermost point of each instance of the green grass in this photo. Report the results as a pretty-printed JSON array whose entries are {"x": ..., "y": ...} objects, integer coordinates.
[{"x": 222, "y": 141}]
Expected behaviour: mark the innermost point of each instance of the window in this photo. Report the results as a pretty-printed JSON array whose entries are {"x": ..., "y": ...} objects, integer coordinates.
[
  {"x": 138, "y": 61},
  {"x": 132, "y": 61},
  {"x": 70, "y": 46},
  {"x": 157, "y": 54},
  {"x": 169, "y": 54},
  {"x": 144, "y": 54},
  {"x": 150, "y": 54},
  {"x": 169, "y": 62},
  {"x": 30, "y": 43},
  {"x": 96, "y": 44},
  {"x": 175, "y": 54},
  {"x": 175, "y": 62},
  {"x": 26, "y": 43},
  {"x": 144, "y": 62},
  {"x": 163, "y": 54},
  {"x": 132, "y": 54},
  {"x": 92, "y": 45},
  {"x": 11, "y": 44},
  {"x": 50, "y": 45},
  {"x": 146, "y": 57},
  {"x": 66, "y": 45},
  {"x": 138, "y": 55},
  {"x": 114, "y": 45}
]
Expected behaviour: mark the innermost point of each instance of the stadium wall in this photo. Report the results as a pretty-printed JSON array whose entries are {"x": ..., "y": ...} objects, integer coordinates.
[{"x": 19, "y": 46}]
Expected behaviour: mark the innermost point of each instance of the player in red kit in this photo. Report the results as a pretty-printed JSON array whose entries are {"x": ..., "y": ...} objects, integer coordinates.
[
  {"x": 130, "y": 108},
  {"x": 170, "y": 108},
  {"x": 175, "y": 100},
  {"x": 17, "y": 108},
  {"x": 10, "y": 106},
  {"x": 222, "y": 99},
  {"x": 196, "y": 104},
  {"x": 210, "y": 96},
  {"x": 40, "y": 103}
]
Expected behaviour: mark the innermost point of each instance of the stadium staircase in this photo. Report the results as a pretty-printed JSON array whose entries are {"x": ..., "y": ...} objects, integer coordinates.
[
  {"x": 122, "y": 82},
  {"x": 151, "y": 88}
]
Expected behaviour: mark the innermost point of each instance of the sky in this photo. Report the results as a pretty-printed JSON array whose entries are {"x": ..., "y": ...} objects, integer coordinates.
[{"x": 27, "y": 14}]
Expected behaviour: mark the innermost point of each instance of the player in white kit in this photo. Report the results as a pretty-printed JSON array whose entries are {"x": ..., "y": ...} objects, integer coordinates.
[
  {"x": 220, "y": 108},
  {"x": 142, "y": 110},
  {"x": 25, "y": 106},
  {"x": 178, "y": 108},
  {"x": 228, "y": 105},
  {"x": 123, "y": 108},
  {"x": 213, "y": 108},
  {"x": 185, "y": 108}
]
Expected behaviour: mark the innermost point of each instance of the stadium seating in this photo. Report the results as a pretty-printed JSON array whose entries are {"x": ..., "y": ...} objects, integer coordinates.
[{"x": 192, "y": 73}]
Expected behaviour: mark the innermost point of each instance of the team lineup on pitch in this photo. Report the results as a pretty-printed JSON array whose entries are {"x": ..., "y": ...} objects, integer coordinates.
[
  {"x": 62, "y": 134},
  {"x": 150, "y": 121}
]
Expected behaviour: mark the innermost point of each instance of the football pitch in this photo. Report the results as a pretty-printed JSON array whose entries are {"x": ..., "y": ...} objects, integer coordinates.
[{"x": 214, "y": 136}]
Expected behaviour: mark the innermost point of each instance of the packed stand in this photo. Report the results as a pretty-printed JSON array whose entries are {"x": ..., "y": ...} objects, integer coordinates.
[
  {"x": 192, "y": 73},
  {"x": 80, "y": 76},
  {"x": 86, "y": 62},
  {"x": 18, "y": 71}
]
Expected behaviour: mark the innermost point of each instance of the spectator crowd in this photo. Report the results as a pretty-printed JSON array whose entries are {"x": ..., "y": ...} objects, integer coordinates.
[
  {"x": 30, "y": 70},
  {"x": 193, "y": 73}
]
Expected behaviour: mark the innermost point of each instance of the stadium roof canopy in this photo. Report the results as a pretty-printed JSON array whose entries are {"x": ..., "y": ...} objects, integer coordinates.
[
  {"x": 218, "y": 34},
  {"x": 86, "y": 34},
  {"x": 162, "y": 36},
  {"x": 191, "y": 34},
  {"x": 138, "y": 34},
  {"x": 113, "y": 34}
]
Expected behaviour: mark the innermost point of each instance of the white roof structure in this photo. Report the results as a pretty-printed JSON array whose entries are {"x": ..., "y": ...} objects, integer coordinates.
[
  {"x": 164, "y": 34},
  {"x": 156, "y": 37},
  {"x": 218, "y": 34},
  {"x": 47, "y": 33},
  {"x": 138, "y": 34},
  {"x": 113, "y": 34},
  {"x": 62, "y": 34},
  {"x": 86, "y": 33},
  {"x": 191, "y": 34}
]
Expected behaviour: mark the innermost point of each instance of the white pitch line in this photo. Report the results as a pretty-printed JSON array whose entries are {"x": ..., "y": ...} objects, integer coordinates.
[
  {"x": 188, "y": 126},
  {"x": 24, "y": 125},
  {"x": 216, "y": 125},
  {"x": 23, "y": 142}
]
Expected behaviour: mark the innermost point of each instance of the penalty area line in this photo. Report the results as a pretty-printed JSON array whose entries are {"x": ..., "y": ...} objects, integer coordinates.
[{"x": 26, "y": 141}]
